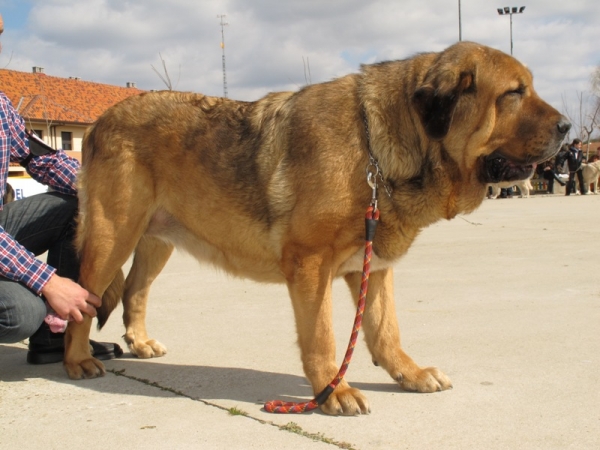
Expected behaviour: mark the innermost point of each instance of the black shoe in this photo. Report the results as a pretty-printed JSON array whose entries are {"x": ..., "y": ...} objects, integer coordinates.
[
  {"x": 46, "y": 347},
  {"x": 49, "y": 355}
]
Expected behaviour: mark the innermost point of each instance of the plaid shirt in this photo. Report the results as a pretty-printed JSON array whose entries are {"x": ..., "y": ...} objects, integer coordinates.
[{"x": 56, "y": 170}]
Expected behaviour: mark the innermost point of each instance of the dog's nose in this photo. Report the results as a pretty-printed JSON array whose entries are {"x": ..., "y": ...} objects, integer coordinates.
[{"x": 563, "y": 125}]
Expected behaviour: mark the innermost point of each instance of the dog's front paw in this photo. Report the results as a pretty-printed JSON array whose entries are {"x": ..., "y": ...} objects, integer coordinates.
[
  {"x": 88, "y": 368},
  {"x": 346, "y": 401},
  {"x": 430, "y": 379},
  {"x": 147, "y": 349}
]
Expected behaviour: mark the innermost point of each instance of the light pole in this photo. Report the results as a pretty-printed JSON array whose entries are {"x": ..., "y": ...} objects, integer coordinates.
[
  {"x": 509, "y": 11},
  {"x": 223, "y": 24},
  {"x": 459, "y": 23}
]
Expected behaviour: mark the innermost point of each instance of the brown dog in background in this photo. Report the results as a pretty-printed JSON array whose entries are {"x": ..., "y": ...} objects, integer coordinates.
[{"x": 276, "y": 190}]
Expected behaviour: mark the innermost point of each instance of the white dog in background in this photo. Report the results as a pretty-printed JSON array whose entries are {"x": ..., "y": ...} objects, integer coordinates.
[
  {"x": 524, "y": 187},
  {"x": 591, "y": 173}
]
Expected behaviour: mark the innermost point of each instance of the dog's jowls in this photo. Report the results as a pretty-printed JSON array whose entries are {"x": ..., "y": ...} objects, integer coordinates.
[{"x": 275, "y": 190}]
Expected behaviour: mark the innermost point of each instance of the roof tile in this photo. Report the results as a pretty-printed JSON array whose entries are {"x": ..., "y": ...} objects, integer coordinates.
[{"x": 40, "y": 97}]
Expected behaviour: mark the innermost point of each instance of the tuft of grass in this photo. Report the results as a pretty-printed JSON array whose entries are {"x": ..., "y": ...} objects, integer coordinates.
[
  {"x": 235, "y": 411},
  {"x": 293, "y": 427}
]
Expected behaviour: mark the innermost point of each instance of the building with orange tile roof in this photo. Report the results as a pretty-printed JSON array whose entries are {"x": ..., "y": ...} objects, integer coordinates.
[{"x": 60, "y": 109}]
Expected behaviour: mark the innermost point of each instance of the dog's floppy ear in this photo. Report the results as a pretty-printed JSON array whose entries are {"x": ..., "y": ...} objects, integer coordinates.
[{"x": 435, "y": 99}]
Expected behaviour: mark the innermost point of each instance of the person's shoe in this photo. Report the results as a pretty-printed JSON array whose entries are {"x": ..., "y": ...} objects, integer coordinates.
[
  {"x": 48, "y": 355},
  {"x": 46, "y": 347}
]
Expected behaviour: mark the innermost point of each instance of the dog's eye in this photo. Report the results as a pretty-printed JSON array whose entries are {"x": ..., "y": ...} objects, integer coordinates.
[{"x": 519, "y": 91}]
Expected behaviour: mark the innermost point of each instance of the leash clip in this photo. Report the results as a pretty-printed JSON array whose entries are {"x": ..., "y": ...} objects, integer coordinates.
[
  {"x": 373, "y": 172},
  {"x": 372, "y": 181}
]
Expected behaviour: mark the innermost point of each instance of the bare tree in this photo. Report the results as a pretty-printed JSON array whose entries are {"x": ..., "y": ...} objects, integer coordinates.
[
  {"x": 592, "y": 125},
  {"x": 307, "y": 75},
  {"x": 166, "y": 78},
  {"x": 595, "y": 117},
  {"x": 585, "y": 117},
  {"x": 9, "y": 60},
  {"x": 595, "y": 81}
]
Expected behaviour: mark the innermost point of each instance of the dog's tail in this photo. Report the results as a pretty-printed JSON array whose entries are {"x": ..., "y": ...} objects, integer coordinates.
[
  {"x": 88, "y": 144},
  {"x": 111, "y": 298}
]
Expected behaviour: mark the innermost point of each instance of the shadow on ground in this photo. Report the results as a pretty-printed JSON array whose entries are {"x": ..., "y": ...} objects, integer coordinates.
[{"x": 197, "y": 382}]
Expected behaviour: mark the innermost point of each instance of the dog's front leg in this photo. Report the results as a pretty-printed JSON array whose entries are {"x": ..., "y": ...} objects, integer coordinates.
[
  {"x": 309, "y": 278},
  {"x": 382, "y": 335}
]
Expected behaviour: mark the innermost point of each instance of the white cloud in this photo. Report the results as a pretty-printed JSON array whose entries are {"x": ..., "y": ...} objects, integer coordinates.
[{"x": 115, "y": 41}]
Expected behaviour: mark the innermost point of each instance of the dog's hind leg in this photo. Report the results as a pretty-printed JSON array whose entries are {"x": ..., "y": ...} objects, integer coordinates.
[
  {"x": 101, "y": 260},
  {"x": 495, "y": 191},
  {"x": 382, "y": 335},
  {"x": 151, "y": 255},
  {"x": 110, "y": 226}
]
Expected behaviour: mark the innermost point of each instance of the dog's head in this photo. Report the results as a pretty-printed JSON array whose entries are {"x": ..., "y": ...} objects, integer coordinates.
[{"x": 480, "y": 103}]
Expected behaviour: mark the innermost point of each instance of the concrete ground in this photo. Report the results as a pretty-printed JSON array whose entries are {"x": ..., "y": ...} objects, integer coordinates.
[{"x": 505, "y": 300}]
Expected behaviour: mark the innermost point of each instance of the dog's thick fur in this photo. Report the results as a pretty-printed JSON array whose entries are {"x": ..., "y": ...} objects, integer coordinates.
[
  {"x": 524, "y": 186},
  {"x": 591, "y": 173},
  {"x": 276, "y": 191}
]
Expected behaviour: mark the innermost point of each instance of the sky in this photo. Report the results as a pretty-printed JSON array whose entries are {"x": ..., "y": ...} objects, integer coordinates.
[{"x": 274, "y": 45}]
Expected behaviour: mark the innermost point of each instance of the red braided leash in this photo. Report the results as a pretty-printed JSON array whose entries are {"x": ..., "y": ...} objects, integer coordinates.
[{"x": 281, "y": 407}]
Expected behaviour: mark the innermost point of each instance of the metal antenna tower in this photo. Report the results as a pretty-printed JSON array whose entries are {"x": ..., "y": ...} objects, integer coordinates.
[{"x": 222, "y": 16}]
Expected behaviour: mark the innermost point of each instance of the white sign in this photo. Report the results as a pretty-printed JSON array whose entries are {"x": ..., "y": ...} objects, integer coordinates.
[{"x": 26, "y": 187}]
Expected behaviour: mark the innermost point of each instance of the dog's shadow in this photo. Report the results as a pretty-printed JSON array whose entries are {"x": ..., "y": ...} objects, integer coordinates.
[{"x": 158, "y": 379}]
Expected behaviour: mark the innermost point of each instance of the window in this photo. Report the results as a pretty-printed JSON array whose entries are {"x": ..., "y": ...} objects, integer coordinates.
[
  {"x": 40, "y": 133},
  {"x": 67, "y": 140}
]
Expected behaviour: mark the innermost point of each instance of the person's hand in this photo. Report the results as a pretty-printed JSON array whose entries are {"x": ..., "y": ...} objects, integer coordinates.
[{"x": 69, "y": 300}]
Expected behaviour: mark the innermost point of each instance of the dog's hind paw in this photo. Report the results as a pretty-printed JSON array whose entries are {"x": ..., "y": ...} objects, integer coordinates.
[{"x": 148, "y": 349}]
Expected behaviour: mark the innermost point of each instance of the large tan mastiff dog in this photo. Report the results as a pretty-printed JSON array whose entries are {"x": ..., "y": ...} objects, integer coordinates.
[{"x": 276, "y": 191}]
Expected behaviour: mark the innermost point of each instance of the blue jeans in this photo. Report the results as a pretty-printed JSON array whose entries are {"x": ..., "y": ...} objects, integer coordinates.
[{"x": 40, "y": 223}]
